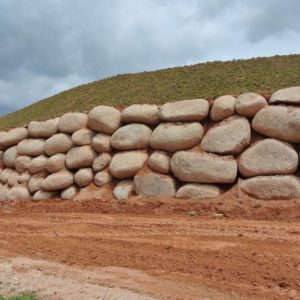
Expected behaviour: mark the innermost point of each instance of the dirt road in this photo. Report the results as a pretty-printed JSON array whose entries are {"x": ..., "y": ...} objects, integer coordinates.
[{"x": 155, "y": 257}]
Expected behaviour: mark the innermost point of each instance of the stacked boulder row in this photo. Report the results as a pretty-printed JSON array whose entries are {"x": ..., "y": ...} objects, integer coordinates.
[{"x": 185, "y": 149}]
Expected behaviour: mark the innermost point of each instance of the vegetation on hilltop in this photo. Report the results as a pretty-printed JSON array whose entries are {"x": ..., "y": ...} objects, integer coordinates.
[{"x": 206, "y": 80}]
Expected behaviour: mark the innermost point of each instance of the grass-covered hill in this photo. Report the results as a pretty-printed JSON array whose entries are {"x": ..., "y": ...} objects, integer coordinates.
[{"x": 205, "y": 80}]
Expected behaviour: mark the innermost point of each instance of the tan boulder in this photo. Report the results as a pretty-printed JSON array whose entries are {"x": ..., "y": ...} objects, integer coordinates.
[
  {"x": 58, "y": 143},
  {"x": 248, "y": 104},
  {"x": 24, "y": 178},
  {"x": 71, "y": 122},
  {"x": 268, "y": 157},
  {"x": 154, "y": 184},
  {"x": 124, "y": 189},
  {"x": 69, "y": 193},
  {"x": 185, "y": 110},
  {"x": 80, "y": 157},
  {"x": 9, "y": 157},
  {"x": 17, "y": 193},
  {"x": 141, "y": 113},
  {"x": 31, "y": 147},
  {"x": 101, "y": 142},
  {"x": 102, "y": 178},
  {"x": 56, "y": 163},
  {"x": 41, "y": 195},
  {"x": 159, "y": 162},
  {"x": 279, "y": 122},
  {"x": 173, "y": 136},
  {"x": 5, "y": 174},
  {"x": 272, "y": 187},
  {"x": 131, "y": 137},
  {"x": 289, "y": 95},
  {"x": 222, "y": 108},
  {"x": 58, "y": 181},
  {"x": 230, "y": 136},
  {"x": 203, "y": 167},
  {"x": 83, "y": 177},
  {"x": 198, "y": 191},
  {"x": 38, "y": 164},
  {"x": 82, "y": 137},
  {"x": 22, "y": 163},
  {"x": 13, "y": 178},
  {"x": 101, "y": 162},
  {"x": 44, "y": 129},
  {"x": 127, "y": 164},
  {"x": 12, "y": 137},
  {"x": 3, "y": 192},
  {"x": 104, "y": 119},
  {"x": 34, "y": 183}
]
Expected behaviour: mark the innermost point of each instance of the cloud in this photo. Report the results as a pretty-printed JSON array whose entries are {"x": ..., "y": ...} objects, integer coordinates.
[{"x": 52, "y": 45}]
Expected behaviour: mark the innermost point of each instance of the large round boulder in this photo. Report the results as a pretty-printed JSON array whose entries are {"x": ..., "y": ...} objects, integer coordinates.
[
  {"x": 172, "y": 137},
  {"x": 44, "y": 129},
  {"x": 9, "y": 157},
  {"x": 289, "y": 95},
  {"x": 38, "y": 164},
  {"x": 248, "y": 104},
  {"x": 131, "y": 137},
  {"x": 83, "y": 177},
  {"x": 12, "y": 137},
  {"x": 22, "y": 163},
  {"x": 82, "y": 137},
  {"x": 104, "y": 119},
  {"x": 279, "y": 122},
  {"x": 127, "y": 164},
  {"x": 272, "y": 187},
  {"x": 198, "y": 191},
  {"x": 58, "y": 143},
  {"x": 124, "y": 189},
  {"x": 268, "y": 157},
  {"x": 56, "y": 163},
  {"x": 203, "y": 167},
  {"x": 58, "y": 181},
  {"x": 17, "y": 193},
  {"x": 71, "y": 122},
  {"x": 31, "y": 147},
  {"x": 222, "y": 108},
  {"x": 230, "y": 136},
  {"x": 101, "y": 142},
  {"x": 154, "y": 184},
  {"x": 101, "y": 162},
  {"x": 159, "y": 162},
  {"x": 102, "y": 178},
  {"x": 80, "y": 157},
  {"x": 140, "y": 113}
]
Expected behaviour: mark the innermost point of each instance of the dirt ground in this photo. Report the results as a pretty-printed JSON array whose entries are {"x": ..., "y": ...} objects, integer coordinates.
[{"x": 232, "y": 247}]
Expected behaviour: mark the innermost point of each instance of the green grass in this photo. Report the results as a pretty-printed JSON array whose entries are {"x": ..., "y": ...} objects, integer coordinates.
[
  {"x": 20, "y": 297},
  {"x": 206, "y": 80}
]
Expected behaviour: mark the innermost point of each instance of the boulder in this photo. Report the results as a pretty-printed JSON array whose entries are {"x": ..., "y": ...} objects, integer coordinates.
[
  {"x": 22, "y": 163},
  {"x": 71, "y": 122},
  {"x": 38, "y": 164},
  {"x": 154, "y": 184},
  {"x": 198, "y": 191},
  {"x": 268, "y": 157},
  {"x": 222, "y": 108},
  {"x": 185, "y": 110},
  {"x": 173, "y": 137},
  {"x": 279, "y": 122},
  {"x": 44, "y": 129},
  {"x": 141, "y": 113},
  {"x": 3, "y": 192},
  {"x": 272, "y": 187},
  {"x": 5, "y": 174},
  {"x": 289, "y": 95},
  {"x": 58, "y": 181},
  {"x": 12, "y": 137},
  {"x": 56, "y": 163},
  {"x": 127, "y": 164},
  {"x": 82, "y": 137},
  {"x": 104, "y": 119},
  {"x": 13, "y": 178},
  {"x": 101, "y": 162},
  {"x": 230, "y": 136},
  {"x": 83, "y": 177},
  {"x": 101, "y": 142},
  {"x": 17, "y": 193},
  {"x": 58, "y": 143},
  {"x": 203, "y": 167},
  {"x": 159, "y": 162},
  {"x": 248, "y": 104},
  {"x": 69, "y": 193},
  {"x": 24, "y": 178},
  {"x": 41, "y": 195},
  {"x": 31, "y": 147},
  {"x": 80, "y": 157},
  {"x": 102, "y": 178},
  {"x": 123, "y": 189},
  {"x": 34, "y": 183},
  {"x": 9, "y": 157},
  {"x": 131, "y": 137}
]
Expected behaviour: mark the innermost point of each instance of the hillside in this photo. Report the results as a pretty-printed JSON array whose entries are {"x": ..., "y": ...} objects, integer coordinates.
[{"x": 205, "y": 80}]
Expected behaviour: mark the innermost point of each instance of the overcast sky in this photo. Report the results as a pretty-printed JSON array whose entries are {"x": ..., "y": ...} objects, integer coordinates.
[{"x": 47, "y": 46}]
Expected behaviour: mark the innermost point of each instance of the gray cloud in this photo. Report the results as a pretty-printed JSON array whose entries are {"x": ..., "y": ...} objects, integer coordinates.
[{"x": 51, "y": 45}]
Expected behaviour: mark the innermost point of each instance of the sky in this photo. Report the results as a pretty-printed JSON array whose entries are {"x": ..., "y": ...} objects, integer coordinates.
[{"x": 47, "y": 46}]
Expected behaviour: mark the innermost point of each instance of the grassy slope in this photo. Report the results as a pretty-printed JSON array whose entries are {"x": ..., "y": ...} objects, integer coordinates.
[{"x": 207, "y": 80}]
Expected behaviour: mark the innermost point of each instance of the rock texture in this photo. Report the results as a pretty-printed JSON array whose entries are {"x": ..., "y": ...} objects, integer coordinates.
[
  {"x": 38, "y": 164},
  {"x": 58, "y": 143},
  {"x": 141, "y": 113},
  {"x": 22, "y": 163},
  {"x": 289, "y": 95},
  {"x": 198, "y": 191},
  {"x": 9, "y": 157},
  {"x": 82, "y": 137},
  {"x": 222, "y": 108},
  {"x": 159, "y": 162},
  {"x": 69, "y": 193},
  {"x": 248, "y": 104},
  {"x": 41, "y": 195},
  {"x": 56, "y": 163},
  {"x": 31, "y": 147},
  {"x": 101, "y": 162},
  {"x": 17, "y": 193},
  {"x": 83, "y": 177},
  {"x": 80, "y": 157},
  {"x": 12, "y": 137},
  {"x": 102, "y": 178},
  {"x": 101, "y": 142},
  {"x": 71, "y": 122},
  {"x": 43, "y": 129},
  {"x": 57, "y": 181},
  {"x": 124, "y": 189}
]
